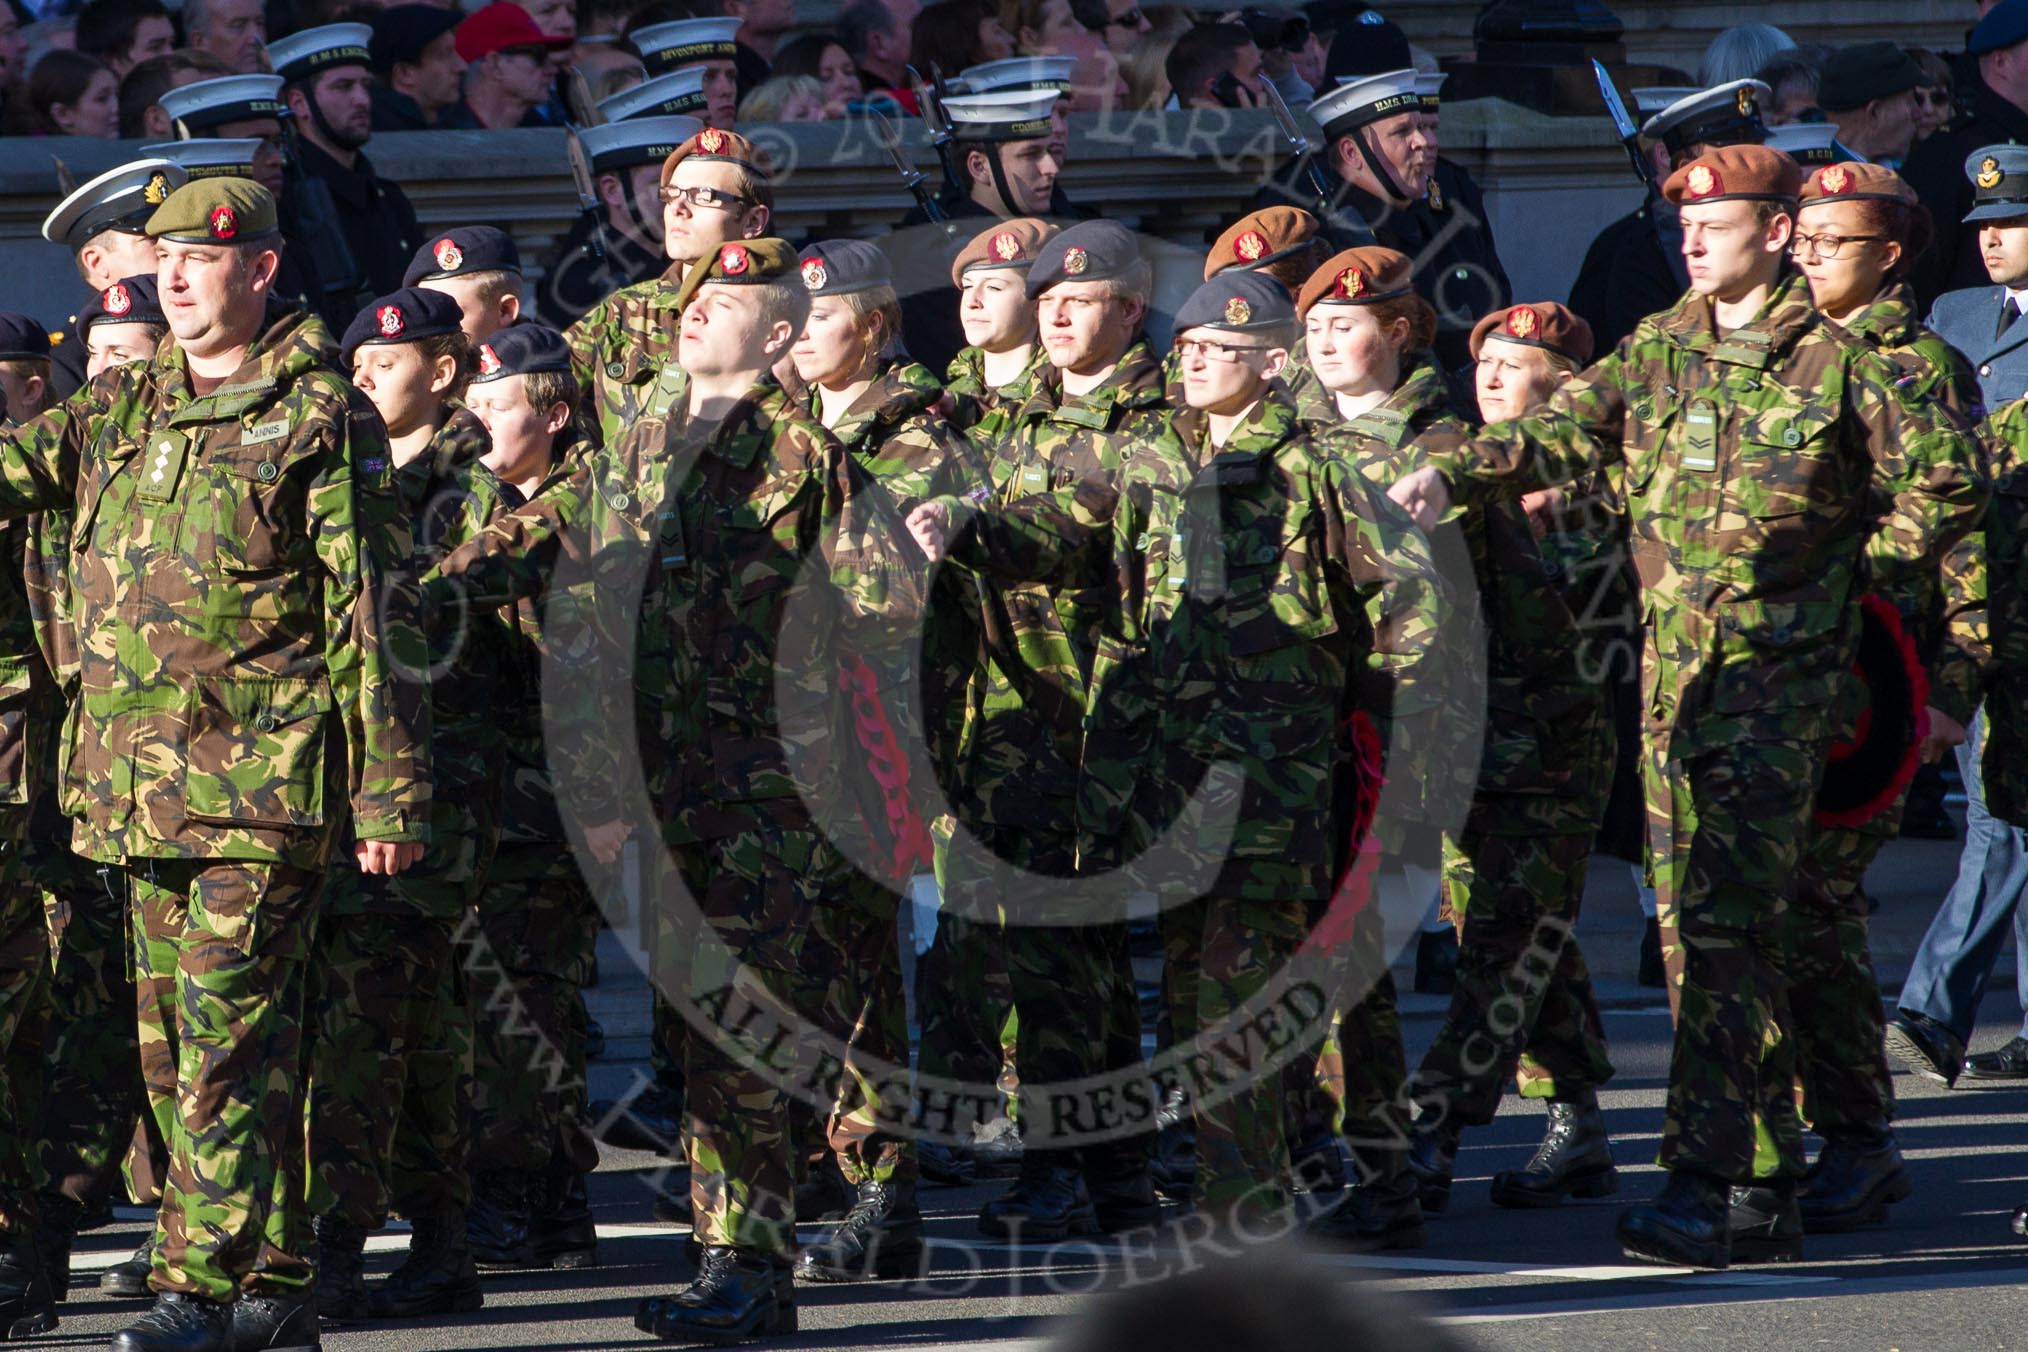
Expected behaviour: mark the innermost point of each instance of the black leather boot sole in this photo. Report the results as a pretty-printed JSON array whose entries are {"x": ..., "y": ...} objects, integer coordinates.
[
  {"x": 1512, "y": 1190},
  {"x": 1647, "y": 1237}
]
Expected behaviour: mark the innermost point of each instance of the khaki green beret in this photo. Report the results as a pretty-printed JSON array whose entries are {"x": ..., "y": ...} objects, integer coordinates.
[
  {"x": 215, "y": 211},
  {"x": 742, "y": 262}
]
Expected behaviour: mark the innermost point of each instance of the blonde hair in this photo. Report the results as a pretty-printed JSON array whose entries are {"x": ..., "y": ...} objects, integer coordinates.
[
  {"x": 768, "y": 98},
  {"x": 876, "y": 307}
]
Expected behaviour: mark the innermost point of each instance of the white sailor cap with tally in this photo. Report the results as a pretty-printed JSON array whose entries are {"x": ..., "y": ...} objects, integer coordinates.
[
  {"x": 1723, "y": 115},
  {"x": 1009, "y": 115},
  {"x": 680, "y": 91},
  {"x": 120, "y": 199},
  {"x": 1018, "y": 72},
  {"x": 1429, "y": 89},
  {"x": 667, "y": 46},
  {"x": 1999, "y": 176},
  {"x": 1652, "y": 99},
  {"x": 638, "y": 140},
  {"x": 1367, "y": 98},
  {"x": 1811, "y": 143},
  {"x": 229, "y": 98},
  {"x": 210, "y": 156},
  {"x": 308, "y": 54}
]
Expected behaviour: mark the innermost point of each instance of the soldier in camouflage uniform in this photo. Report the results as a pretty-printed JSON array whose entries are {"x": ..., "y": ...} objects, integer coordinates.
[
  {"x": 715, "y": 188},
  {"x": 1372, "y": 398},
  {"x": 528, "y": 951},
  {"x": 694, "y": 526},
  {"x": 1098, "y": 401},
  {"x": 1517, "y": 872},
  {"x": 1772, "y": 466},
  {"x": 1260, "y": 583},
  {"x": 391, "y": 1063},
  {"x": 1001, "y": 353},
  {"x": 239, "y": 481},
  {"x": 1858, "y": 230},
  {"x": 883, "y": 408},
  {"x": 93, "y": 1096}
]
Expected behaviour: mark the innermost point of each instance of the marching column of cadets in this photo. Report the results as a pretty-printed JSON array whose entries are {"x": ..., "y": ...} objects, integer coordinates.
[{"x": 1262, "y": 583}]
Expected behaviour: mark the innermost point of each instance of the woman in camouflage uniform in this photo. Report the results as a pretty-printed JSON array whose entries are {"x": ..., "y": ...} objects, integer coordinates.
[
  {"x": 991, "y": 274},
  {"x": 1859, "y": 228},
  {"x": 391, "y": 1061}
]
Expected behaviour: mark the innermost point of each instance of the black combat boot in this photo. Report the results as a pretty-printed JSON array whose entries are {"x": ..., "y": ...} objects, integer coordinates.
[
  {"x": 497, "y": 1225},
  {"x": 1433, "y": 1158},
  {"x": 27, "y": 1304},
  {"x": 1048, "y": 1202},
  {"x": 881, "y": 1236},
  {"x": 1174, "y": 1169},
  {"x": 997, "y": 1150},
  {"x": 59, "y": 1220},
  {"x": 738, "y": 1294},
  {"x": 1766, "y": 1223},
  {"x": 437, "y": 1277},
  {"x": 341, "y": 1269},
  {"x": 129, "y": 1280},
  {"x": 1858, "y": 1174},
  {"x": 942, "y": 1163},
  {"x": 561, "y": 1232},
  {"x": 825, "y": 1195},
  {"x": 1575, "y": 1159},
  {"x": 651, "y": 1120},
  {"x": 1381, "y": 1212},
  {"x": 1686, "y": 1225},
  {"x": 1318, "y": 1165},
  {"x": 179, "y": 1323},
  {"x": 275, "y": 1323},
  {"x": 1122, "y": 1188}
]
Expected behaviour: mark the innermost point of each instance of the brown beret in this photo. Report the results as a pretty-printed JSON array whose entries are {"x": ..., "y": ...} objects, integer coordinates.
[
  {"x": 713, "y": 144},
  {"x": 1541, "y": 323},
  {"x": 1856, "y": 182},
  {"x": 1736, "y": 173},
  {"x": 1005, "y": 244},
  {"x": 1263, "y": 237},
  {"x": 1362, "y": 276}
]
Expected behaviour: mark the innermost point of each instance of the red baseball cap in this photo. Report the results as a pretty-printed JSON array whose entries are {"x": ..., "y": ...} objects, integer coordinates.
[{"x": 499, "y": 27}]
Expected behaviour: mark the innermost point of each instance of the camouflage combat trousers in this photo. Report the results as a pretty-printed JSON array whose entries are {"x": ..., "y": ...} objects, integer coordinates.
[
  {"x": 850, "y": 990},
  {"x": 1223, "y": 952},
  {"x": 738, "y": 1079},
  {"x": 221, "y": 951},
  {"x": 1727, "y": 834},
  {"x": 524, "y": 958},
  {"x": 1073, "y": 994},
  {"x": 1521, "y": 980},
  {"x": 1364, "y": 1056},
  {"x": 390, "y": 1070},
  {"x": 24, "y": 1017},
  {"x": 962, "y": 1002},
  {"x": 94, "y": 1097}
]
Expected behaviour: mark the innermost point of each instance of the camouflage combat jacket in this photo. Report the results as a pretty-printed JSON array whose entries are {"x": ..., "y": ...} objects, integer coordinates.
[
  {"x": 446, "y": 496},
  {"x": 1545, "y": 633},
  {"x": 1770, "y": 474},
  {"x": 707, "y": 610},
  {"x": 624, "y": 356},
  {"x": 1024, "y": 730},
  {"x": 971, "y": 399},
  {"x": 238, "y": 605},
  {"x": 1261, "y": 593}
]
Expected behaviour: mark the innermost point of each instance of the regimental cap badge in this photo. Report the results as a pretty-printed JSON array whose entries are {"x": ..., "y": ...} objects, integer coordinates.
[
  {"x": 1435, "y": 194},
  {"x": 449, "y": 256},
  {"x": 814, "y": 275},
  {"x": 1744, "y": 100},
  {"x": 1989, "y": 173},
  {"x": 1006, "y": 248},
  {"x": 733, "y": 260},
  {"x": 1237, "y": 311},
  {"x": 1075, "y": 261},
  {"x": 224, "y": 223},
  {"x": 1250, "y": 247},
  {"x": 1522, "y": 322},
  {"x": 391, "y": 321},
  {"x": 489, "y": 361},
  {"x": 1834, "y": 178},
  {"x": 1351, "y": 284},
  {"x": 157, "y": 190},
  {"x": 711, "y": 140},
  {"x": 1702, "y": 181},
  {"x": 116, "y": 300}
]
